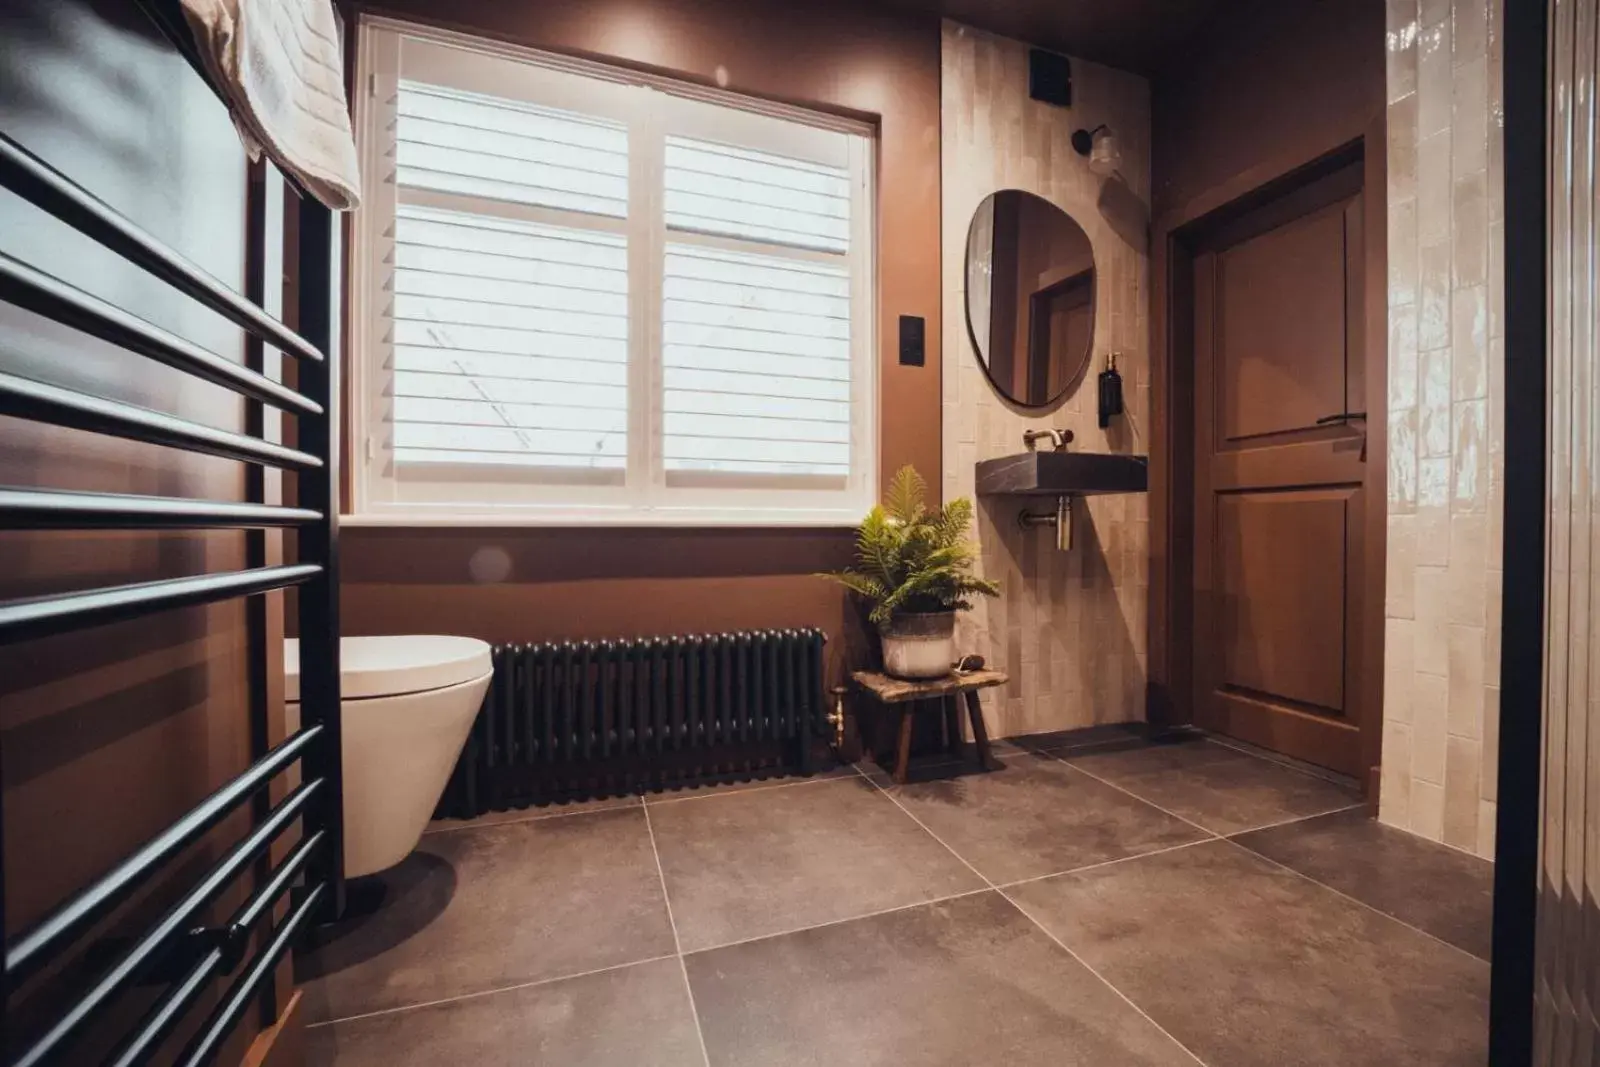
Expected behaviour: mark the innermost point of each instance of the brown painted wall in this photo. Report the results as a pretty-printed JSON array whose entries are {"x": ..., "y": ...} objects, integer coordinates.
[
  {"x": 1267, "y": 86},
  {"x": 111, "y": 734},
  {"x": 598, "y": 583}
]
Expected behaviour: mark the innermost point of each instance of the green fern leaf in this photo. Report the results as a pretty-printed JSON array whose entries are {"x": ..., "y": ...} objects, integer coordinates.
[{"x": 904, "y": 498}]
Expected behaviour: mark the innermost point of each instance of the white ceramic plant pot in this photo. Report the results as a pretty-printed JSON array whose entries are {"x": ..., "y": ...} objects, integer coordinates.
[{"x": 919, "y": 645}]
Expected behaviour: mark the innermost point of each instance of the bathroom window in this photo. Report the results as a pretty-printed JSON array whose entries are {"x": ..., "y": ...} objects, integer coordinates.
[{"x": 582, "y": 294}]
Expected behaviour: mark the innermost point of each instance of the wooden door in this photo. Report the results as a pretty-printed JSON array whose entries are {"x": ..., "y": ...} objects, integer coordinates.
[{"x": 1281, "y": 478}]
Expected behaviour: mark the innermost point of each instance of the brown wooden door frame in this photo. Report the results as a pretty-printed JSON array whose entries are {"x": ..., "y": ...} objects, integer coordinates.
[{"x": 1169, "y": 700}]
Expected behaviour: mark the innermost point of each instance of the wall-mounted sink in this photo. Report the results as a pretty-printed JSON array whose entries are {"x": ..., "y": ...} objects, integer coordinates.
[{"x": 1062, "y": 474}]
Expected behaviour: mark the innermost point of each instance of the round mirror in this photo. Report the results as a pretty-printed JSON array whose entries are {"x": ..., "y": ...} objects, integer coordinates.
[{"x": 1030, "y": 296}]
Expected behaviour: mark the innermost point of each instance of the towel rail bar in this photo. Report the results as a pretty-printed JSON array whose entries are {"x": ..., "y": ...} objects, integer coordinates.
[
  {"x": 36, "y": 181},
  {"x": 52, "y": 509}
]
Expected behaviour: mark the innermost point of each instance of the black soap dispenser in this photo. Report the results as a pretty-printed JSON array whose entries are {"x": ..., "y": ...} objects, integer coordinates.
[{"x": 1110, "y": 391}]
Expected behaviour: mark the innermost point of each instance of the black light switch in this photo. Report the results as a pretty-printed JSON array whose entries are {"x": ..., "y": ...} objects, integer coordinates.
[{"x": 912, "y": 328}]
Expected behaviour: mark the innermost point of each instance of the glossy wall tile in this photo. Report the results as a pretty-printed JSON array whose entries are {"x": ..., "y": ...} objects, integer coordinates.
[
  {"x": 1071, "y": 627},
  {"x": 1445, "y": 478}
]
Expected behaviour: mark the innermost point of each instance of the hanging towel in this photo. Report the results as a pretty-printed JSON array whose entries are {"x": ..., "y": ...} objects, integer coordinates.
[{"x": 280, "y": 66}]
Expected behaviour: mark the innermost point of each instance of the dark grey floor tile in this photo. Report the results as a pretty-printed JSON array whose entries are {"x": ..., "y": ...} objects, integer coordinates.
[
  {"x": 1059, "y": 741},
  {"x": 496, "y": 906},
  {"x": 760, "y": 862},
  {"x": 1138, "y": 756},
  {"x": 536, "y": 811},
  {"x": 1289, "y": 761},
  {"x": 717, "y": 789},
  {"x": 1038, "y": 816},
  {"x": 1250, "y": 964},
  {"x": 954, "y": 984},
  {"x": 626, "y": 1017},
  {"x": 1431, "y": 886},
  {"x": 1227, "y": 794}
]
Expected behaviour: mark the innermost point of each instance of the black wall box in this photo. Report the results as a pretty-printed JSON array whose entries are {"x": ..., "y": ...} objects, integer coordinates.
[{"x": 1050, "y": 77}]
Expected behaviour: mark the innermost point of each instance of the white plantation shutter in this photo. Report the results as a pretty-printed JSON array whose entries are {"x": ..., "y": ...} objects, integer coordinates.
[
  {"x": 581, "y": 298},
  {"x": 477, "y": 145},
  {"x": 510, "y": 342},
  {"x": 510, "y": 337},
  {"x": 756, "y": 347},
  {"x": 756, "y": 359},
  {"x": 715, "y": 188}
]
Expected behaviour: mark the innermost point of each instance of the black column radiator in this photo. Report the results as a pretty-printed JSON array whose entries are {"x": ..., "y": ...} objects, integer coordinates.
[{"x": 570, "y": 720}]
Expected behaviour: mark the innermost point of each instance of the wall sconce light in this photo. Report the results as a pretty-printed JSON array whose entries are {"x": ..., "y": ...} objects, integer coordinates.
[{"x": 1099, "y": 146}]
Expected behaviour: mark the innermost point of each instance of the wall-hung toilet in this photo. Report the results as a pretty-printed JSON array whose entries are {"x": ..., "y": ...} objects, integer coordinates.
[{"x": 408, "y": 704}]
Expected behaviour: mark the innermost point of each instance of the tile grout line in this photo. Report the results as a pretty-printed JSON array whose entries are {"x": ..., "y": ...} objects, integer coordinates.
[
  {"x": 1332, "y": 777},
  {"x": 1040, "y": 926},
  {"x": 469, "y": 824},
  {"x": 989, "y": 887},
  {"x": 1104, "y": 863},
  {"x": 840, "y": 922},
  {"x": 1214, "y": 835},
  {"x": 817, "y": 779},
  {"x": 1297, "y": 818},
  {"x": 677, "y": 943},
  {"x": 487, "y": 992},
  {"x": 1361, "y": 903},
  {"x": 907, "y": 812},
  {"x": 1128, "y": 792},
  {"x": 1103, "y": 979},
  {"x": 642, "y": 801}
]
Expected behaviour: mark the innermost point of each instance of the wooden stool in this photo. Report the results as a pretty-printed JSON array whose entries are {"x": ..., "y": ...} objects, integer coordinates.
[{"x": 944, "y": 692}]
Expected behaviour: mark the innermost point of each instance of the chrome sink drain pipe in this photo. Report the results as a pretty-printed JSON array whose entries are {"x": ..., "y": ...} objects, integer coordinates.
[{"x": 1060, "y": 518}]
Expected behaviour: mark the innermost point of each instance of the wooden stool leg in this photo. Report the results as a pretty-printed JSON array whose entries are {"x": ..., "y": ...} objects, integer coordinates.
[
  {"x": 952, "y": 723},
  {"x": 903, "y": 755},
  {"x": 980, "y": 734}
]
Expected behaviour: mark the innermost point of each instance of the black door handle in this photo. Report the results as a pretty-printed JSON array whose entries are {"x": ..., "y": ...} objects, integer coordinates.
[{"x": 1343, "y": 416}]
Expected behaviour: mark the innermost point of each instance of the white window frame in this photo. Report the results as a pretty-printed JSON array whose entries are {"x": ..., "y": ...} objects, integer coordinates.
[{"x": 486, "y": 497}]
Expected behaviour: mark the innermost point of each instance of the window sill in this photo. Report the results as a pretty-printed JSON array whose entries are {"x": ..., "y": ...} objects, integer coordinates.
[{"x": 674, "y": 519}]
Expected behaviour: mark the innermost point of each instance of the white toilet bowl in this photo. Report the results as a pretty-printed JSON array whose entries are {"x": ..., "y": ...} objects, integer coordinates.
[{"x": 408, "y": 705}]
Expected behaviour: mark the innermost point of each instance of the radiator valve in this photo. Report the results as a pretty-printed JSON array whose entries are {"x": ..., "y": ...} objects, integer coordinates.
[{"x": 836, "y": 716}]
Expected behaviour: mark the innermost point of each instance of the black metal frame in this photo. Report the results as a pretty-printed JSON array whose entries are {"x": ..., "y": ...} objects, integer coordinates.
[
  {"x": 1511, "y": 991},
  {"x": 175, "y": 952}
]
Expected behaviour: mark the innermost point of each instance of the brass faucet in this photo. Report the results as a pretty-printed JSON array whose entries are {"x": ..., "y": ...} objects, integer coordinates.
[{"x": 1059, "y": 439}]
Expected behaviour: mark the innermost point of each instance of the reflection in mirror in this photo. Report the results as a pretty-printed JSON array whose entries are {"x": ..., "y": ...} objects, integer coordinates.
[{"x": 1030, "y": 296}]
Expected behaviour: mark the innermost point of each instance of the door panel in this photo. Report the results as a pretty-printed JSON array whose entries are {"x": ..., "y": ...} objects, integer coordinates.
[
  {"x": 1280, "y": 497},
  {"x": 1281, "y": 328},
  {"x": 1281, "y": 570}
]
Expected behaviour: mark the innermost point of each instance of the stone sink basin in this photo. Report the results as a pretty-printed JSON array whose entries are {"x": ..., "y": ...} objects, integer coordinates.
[{"x": 1063, "y": 474}]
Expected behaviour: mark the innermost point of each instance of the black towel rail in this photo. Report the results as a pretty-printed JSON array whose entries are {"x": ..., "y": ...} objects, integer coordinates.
[
  {"x": 136, "y": 962},
  {"x": 177, "y": 952},
  {"x": 37, "y": 181},
  {"x": 43, "y": 402},
  {"x": 53, "y": 509},
  {"x": 21, "y": 620},
  {"x": 47, "y": 295}
]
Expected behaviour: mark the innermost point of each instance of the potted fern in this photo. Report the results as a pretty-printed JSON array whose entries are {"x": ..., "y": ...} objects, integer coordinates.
[{"x": 914, "y": 567}]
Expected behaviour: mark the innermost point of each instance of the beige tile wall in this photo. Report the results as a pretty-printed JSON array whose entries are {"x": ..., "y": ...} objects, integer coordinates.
[
  {"x": 1446, "y": 357},
  {"x": 1071, "y": 628}
]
